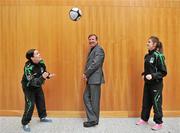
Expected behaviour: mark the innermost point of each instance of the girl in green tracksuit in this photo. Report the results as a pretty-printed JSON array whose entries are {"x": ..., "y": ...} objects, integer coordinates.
[
  {"x": 34, "y": 76},
  {"x": 154, "y": 71}
]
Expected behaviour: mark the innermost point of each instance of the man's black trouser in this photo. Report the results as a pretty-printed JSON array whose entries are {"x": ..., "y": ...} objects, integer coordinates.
[
  {"x": 33, "y": 96},
  {"x": 152, "y": 97},
  {"x": 91, "y": 98}
]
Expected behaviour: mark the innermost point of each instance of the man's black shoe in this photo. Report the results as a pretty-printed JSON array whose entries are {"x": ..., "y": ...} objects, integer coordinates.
[{"x": 90, "y": 123}]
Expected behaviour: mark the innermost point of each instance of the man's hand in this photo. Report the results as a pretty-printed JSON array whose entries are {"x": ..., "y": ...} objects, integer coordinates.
[
  {"x": 84, "y": 77},
  {"x": 149, "y": 77}
]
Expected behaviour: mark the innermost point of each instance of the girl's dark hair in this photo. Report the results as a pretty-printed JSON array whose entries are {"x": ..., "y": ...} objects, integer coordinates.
[
  {"x": 159, "y": 45},
  {"x": 30, "y": 53}
]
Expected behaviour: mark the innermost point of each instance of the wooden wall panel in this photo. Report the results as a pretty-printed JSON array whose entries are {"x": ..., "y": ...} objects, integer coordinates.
[{"x": 123, "y": 28}]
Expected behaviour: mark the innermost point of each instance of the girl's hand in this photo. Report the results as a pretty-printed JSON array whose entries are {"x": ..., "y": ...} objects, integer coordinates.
[
  {"x": 51, "y": 75},
  {"x": 45, "y": 75},
  {"x": 142, "y": 77},
  {"x": 149, "y": 77}
]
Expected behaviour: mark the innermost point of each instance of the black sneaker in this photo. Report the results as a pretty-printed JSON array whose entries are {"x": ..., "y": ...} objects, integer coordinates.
[
  {"x": 90, "y": 124},
  {"x": 26, "y": 128},
  {"x": 45, "y": 119}
]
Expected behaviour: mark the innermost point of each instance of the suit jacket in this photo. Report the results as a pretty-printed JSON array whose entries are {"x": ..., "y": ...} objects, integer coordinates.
[{"x": 93, "y": 69}]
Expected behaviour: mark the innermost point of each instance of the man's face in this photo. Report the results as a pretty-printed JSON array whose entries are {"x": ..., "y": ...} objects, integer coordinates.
[
  {"x": 37, "y": 58},
  {"x": 92, "y": 41}
]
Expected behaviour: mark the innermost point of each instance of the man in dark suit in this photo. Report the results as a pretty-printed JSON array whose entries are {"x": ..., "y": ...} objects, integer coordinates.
[{"x": 93, "y": 74}]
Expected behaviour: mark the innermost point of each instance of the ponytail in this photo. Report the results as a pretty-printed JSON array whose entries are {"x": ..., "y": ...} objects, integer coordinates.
[{"x": 159, "y": 45}]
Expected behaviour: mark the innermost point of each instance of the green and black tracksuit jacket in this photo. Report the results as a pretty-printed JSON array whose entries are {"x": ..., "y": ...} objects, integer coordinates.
[
  {"x": 154, "y": 64},
  {"x": 32, "y": 81}
]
